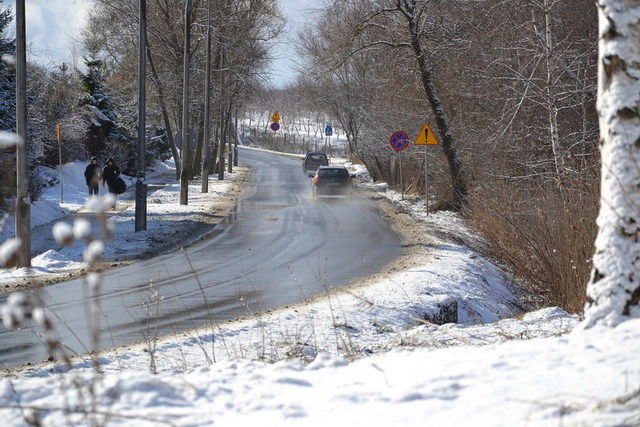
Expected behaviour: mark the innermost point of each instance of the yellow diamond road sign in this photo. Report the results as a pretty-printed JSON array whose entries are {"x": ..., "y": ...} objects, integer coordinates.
[
  {"x": 426, "y": 137},
  {"x": 275, "y": 117}
]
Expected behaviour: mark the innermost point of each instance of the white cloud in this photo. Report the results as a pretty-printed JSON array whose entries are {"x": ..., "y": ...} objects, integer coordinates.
[
  {"x": 52, "y": 26},
  {"x": 34, "y": 16}
]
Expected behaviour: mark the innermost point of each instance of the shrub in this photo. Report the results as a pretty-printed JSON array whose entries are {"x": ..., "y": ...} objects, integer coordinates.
[{"x": 544, "y": 233}]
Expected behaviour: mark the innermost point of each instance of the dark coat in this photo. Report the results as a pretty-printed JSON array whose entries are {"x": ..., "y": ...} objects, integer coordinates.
[
  {"x": 92, "y": 174},
  {"x": 109, "y": 175}
]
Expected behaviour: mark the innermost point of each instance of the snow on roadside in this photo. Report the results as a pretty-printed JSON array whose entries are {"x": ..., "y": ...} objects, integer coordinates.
[
  {"x": 364, "y": 355},
  {"x": 168, "y": 216},
  {"x": 375, "y": 316}
]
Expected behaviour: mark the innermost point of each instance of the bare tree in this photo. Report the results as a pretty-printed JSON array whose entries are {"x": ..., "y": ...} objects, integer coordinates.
[
  {"x": 343, "y": 90},
  {"x": 419, "y": 27},
  {"x": 614, "y": 290},
  {"x": 243, "y": 28},
  {"x": 388, "y": 32},
  {"x": 541, "y": 73}
]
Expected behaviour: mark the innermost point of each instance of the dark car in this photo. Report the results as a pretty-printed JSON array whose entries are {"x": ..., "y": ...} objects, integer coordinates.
[
  {"x": 332, "y": 181},
  {"x": 313, "y": 160}
]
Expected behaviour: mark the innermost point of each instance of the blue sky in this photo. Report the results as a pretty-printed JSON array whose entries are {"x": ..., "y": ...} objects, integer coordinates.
[
  {"x": 52, "y": 26},
  {"x": 298, "y": 14}
]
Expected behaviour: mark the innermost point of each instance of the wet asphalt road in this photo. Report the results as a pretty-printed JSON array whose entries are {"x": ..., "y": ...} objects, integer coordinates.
[{"x": 276, "y": 247}]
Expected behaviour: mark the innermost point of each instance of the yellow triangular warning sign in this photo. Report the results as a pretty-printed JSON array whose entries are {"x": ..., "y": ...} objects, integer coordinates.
[{"x": 426, "y": 137}]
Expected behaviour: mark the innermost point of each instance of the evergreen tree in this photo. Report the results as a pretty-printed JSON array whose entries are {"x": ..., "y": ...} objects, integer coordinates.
[
  {"x": 96, "y": 92},
  {"x": 7, "y": 110},
  {"x": 106, "y": 135},
  {"x": 7, "y": 76}
]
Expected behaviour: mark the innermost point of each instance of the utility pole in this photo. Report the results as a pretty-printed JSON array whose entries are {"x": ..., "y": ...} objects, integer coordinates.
[
  {"x": 23, "y": 204},
  {"x": 186, "y": 166},
  {"x": 235, "y": 142},
  {"x": 223, "y": 132},
  {"x": 141, "y": 187},
  {"x": 230, "y": 153},
  {"x": 230, "y": 166},
  {"x": 207, "y": 95}
]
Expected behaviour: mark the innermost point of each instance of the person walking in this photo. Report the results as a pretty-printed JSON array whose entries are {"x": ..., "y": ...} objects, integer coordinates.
[
  {"x": 110, "y": 176},
  {"x": 92, "y": 175}
]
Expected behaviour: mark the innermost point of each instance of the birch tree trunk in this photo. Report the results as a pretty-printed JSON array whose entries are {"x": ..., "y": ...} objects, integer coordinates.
[
  {"x": 613, "y": 293},
  {"x": 552, "y": 102}
]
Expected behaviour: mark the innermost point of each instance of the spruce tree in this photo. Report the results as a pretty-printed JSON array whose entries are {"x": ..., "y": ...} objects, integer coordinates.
[
  {"x": 110, "y": 138},
  {"x": 7, "y": 111},
  {"x": 7, "y": 75},
  {"x": 96, "y": 93}
]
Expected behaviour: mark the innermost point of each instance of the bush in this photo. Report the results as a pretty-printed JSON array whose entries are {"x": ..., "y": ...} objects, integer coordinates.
[
  {"x": 37, "y": 183},
  {"x": 544, "y": 233},
  {"x": 7, "y": 180}
]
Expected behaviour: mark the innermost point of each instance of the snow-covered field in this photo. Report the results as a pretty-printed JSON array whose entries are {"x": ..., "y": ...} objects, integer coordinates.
[{"x": 358, "y": 356}]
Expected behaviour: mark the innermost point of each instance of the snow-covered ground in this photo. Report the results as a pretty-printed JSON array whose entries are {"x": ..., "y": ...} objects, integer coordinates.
[
  {"x": 166, "y": 219},
  {"x": 365, "y": 355}
]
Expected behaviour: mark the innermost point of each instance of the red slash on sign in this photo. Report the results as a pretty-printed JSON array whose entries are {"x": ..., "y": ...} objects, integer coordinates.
[{"x": 399, "y": 140}]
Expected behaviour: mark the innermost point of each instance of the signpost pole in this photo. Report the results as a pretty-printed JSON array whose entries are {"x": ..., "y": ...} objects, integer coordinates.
[
  {"x": 401, "y": 179},
  {"x": 60, "y": 162},
  {"x": 399, "y": 141},
  {"x": 328, "y": 131},
  {"x": 426, "y": 179},
  {"x": 426, "y": 137}
]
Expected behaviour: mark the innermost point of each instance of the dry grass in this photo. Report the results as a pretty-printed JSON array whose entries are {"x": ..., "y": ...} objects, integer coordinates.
[{"x": 545, "y": 234}]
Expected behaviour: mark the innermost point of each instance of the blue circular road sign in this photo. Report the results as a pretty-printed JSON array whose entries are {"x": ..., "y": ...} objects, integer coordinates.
[
  {"x": 275, "y": 126},
  {"x": 399, "y": 140}
]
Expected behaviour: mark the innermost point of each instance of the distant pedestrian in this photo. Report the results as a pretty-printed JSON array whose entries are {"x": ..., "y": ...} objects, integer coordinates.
[
  {"x": 110, "y": 176},
  {"x": 93, "y": 174}
]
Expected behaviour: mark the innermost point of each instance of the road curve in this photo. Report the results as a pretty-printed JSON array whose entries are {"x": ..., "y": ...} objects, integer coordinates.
[{"x": 276, "y": 247}]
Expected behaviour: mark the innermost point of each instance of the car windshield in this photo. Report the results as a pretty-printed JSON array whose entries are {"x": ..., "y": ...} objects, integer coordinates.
[
  {"x": 333, "y": 172},
  {"x": 317, "y": 157}
]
